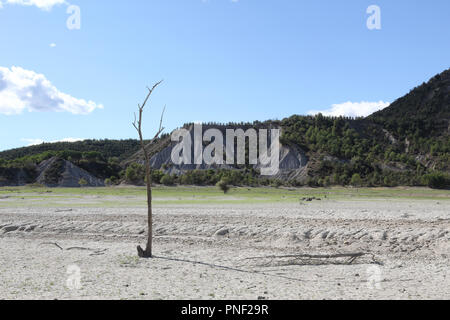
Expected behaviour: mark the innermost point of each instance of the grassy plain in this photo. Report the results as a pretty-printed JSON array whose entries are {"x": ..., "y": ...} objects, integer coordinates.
[{"x": 135, "y": 196}]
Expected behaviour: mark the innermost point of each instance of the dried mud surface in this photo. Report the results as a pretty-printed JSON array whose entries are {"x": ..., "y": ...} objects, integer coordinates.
[{"x": 230, "y": 251}]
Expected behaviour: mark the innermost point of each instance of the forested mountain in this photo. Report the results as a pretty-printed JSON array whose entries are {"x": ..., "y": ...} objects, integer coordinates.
[
  {"x": 407, "y": 143},
  {"x": 420, "y": 121},
  {"x": 426, "y": 106}
]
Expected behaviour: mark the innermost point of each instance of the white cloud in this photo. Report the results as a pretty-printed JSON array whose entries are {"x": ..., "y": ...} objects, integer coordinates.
[
  {"x": 22, "y": 90},
  {"x": 34, "y": 142},
  {"x": 41, "y": 4},
  {"x": 352, "y": 109},
  {"x": 52, "y": 45}
]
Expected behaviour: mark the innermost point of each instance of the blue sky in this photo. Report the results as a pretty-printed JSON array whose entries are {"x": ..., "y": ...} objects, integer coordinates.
[{"x": 221, "y": 60}]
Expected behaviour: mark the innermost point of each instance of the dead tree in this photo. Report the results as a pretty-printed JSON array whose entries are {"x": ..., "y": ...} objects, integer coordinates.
[{"x": 147, "y": 253}]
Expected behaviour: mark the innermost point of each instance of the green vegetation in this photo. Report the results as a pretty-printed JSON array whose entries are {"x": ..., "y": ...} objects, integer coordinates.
[
  {"x": 223, "y": 185},
  {"x": 437, "y": 180},
  {"x": 82, "y": 182},
  {"x": 407, "y": 144},
  {"x": 122, "y": 149},
  {"x": 134, "y": 174},
  {"x": 167, "y": 180},
  {"x": 53, "y": 174},
  {"x": 420, "y": 120},
  {"x": 128, "y": 197},
  {"x": 356, "y": 180}
]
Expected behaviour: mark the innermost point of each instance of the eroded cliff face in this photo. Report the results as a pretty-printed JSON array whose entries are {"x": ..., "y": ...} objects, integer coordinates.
[
  {"x": 293, "y": 162},
  {"x": 56, "y": 172},
  {"x": 291, "y": 158}
]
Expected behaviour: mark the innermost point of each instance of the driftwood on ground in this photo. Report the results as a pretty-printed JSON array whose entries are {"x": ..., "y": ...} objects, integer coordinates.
[
  {"x": 95, "y": 252},
  {"x": 351, "y": 257}
]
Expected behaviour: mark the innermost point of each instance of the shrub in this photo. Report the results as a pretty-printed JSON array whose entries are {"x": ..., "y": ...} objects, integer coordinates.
[
  {"x": 356, "y": 180},
  {"x": 223, "y": 185},
  {"x": 167, "y": 180},
  {"x": 35, "y": 185},
  {"x": 437, "y": 180},
  {"x": 276, "y": 184},
  {"x": 156, "y": 176},
  {"x": 135, "y": 173},
  {"x": 82, "y": 182}
]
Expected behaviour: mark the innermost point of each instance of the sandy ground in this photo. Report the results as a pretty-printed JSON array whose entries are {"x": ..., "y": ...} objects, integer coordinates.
[{"x": 229, "y": 251}]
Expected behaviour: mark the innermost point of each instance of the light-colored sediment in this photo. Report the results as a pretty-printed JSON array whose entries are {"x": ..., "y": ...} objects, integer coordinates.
[{"x": 202, "y": 251}]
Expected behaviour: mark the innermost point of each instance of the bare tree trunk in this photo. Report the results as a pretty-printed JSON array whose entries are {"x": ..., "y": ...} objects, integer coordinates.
[{"x": 147, "y": 253}]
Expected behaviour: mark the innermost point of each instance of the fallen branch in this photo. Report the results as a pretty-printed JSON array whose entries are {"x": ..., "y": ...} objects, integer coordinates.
[
  {"x": 314, "y": 256},
  {"x": 352, "y": 257},
  {"x": 52, "y": 244},
  {"x": 94, "y": 251},
  {"x": 79, "y": 248}
]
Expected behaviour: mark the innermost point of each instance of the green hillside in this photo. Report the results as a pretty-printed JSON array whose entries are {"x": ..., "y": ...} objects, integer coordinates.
[
  {"x": 407, "y": 143},
  {"x": 108, "y": 148}
]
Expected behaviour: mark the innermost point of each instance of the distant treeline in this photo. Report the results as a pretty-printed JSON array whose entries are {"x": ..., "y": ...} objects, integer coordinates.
[
  {"x": 121, "y": 149},
  {"x": 134, "y": 174}
]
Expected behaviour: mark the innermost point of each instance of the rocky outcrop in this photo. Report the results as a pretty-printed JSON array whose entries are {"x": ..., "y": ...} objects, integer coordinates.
[
  {"x": 293, "y": 160},
  {"x": 56, "y": 172}
]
